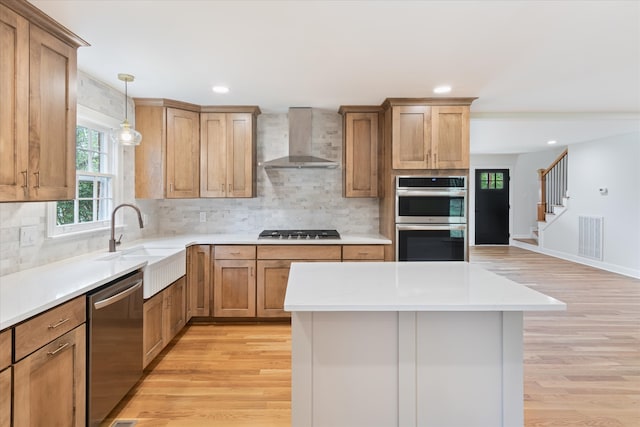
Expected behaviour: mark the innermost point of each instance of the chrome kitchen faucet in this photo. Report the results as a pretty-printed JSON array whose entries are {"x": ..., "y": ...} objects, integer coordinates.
[{"x": 112, "y": 241}]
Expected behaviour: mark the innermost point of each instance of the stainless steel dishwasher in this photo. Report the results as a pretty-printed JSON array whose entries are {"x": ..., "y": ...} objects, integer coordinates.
[{"x": 114, "y": 338}]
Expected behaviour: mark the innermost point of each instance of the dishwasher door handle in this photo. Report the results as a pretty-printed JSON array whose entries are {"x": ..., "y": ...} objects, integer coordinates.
[{"x": 117, "y": 297}]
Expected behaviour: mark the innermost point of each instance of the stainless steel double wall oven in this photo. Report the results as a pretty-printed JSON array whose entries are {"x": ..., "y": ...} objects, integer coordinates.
[{"x": 431, "y": 218}]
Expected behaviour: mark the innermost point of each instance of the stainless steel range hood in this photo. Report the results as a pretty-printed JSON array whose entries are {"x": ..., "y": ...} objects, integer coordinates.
[{"x": 299, "y": 144}]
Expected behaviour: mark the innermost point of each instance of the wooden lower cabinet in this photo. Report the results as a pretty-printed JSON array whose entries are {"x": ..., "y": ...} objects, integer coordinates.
[
  {"x": 49, "y": 384},
  {"x": 164, "y": 315},
  {"x": 174, "y": 310},
  {"x": 271, "y": 287},
  {"x": 5, "y": 397},
  {"x": 199, "y": 270},
  {"x": 234, "y": 288},
  {"x": 363, "y": 253}
]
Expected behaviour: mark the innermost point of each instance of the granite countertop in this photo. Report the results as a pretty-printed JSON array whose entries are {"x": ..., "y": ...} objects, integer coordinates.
[
  {"x": 407, "y": 286},
  {"x": 30, "y": 292}
]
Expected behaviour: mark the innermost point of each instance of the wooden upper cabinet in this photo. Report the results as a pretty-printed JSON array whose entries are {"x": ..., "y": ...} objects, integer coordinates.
[
  {"x": 38, "y": 75},
  {"x": 227, "y": 153},
  {"x": 361, "y": 136},
  {"x": 14, "y": 105},
  {"x": 429, "y": 133},
  {"x": 183, "y": 154},
  {"x": 411, "y": 137},
  {"x": 450, "y": 137},
  {"x": 167, "y": 160}
]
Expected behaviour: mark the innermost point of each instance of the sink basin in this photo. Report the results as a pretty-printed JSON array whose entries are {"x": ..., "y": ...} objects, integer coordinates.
[{"x": 164, "y": 265}]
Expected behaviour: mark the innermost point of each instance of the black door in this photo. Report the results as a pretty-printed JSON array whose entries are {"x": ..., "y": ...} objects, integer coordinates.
[{"x": 492, "y": 207}]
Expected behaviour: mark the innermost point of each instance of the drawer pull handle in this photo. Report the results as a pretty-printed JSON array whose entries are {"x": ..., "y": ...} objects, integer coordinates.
[
  {"x": 25, "y": 178},
  {"x": 60, "y": 322},
  {"x": 37, "y": 175},
  {"x": 363, "y": 253},
  {"x": 58, "y": 350}
]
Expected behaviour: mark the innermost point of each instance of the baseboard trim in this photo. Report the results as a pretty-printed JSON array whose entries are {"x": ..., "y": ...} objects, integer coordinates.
[{"x": 574, "y": 258}]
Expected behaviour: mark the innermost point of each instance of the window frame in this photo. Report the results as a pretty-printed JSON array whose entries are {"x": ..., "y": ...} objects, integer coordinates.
[{"x": 101, "y": 122}]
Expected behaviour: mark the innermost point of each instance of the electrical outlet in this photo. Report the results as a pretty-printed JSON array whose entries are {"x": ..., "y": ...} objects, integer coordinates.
[
  {"x": 28, "y": 235},
  {"x": 203, "y": 217}
]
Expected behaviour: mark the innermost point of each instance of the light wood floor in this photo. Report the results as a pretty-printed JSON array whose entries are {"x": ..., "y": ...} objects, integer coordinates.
[{"x": 582, "y": 366}]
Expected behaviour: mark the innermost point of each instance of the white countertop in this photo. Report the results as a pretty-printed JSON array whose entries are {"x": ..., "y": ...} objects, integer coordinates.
[
  {"x": 407, "y": 286},
  {"x": 30, "y": 292}
]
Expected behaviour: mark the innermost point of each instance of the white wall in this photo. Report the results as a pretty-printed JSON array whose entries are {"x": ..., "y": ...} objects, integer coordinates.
[{"x": 613, "y": 163}]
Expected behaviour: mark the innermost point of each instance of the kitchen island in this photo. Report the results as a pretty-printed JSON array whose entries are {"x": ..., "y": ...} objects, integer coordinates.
[{"x": 407, "y": 344}]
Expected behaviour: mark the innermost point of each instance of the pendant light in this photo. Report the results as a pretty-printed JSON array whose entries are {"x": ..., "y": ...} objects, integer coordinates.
[{"x": 126, "y": 135}]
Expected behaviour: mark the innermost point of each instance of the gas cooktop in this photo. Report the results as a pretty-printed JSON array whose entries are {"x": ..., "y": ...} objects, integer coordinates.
[{"x": 299, "y": 234}]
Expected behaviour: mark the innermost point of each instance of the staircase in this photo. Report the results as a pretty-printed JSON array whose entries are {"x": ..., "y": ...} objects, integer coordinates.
[{"x": 553, "y": 196}]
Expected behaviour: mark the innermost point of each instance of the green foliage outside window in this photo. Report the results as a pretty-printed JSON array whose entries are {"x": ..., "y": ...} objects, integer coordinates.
[{"x": 492, "y": 181}]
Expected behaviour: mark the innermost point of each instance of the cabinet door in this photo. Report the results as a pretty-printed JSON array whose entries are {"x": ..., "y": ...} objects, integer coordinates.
[
  {"x": 411, "y": 137},
  {"x": 271, "y": 286},
  {"x": 14, "y": 105},
  {"x": 234, "y": 288},
  {"x": 151, "y": 153},
  {"x": 174, "y": 315},
  {"x": 199, "y": 281},
  {"x": 240, "y": 155},
  {"x": 183, "y": 154},
  {"x": 49, "y": 385},
  {"x": 213, "y": 155},
  {"x": 450, "y": 137},
  {"x": 152, "y": 342},
  {"x": 361, "y": 155},
  {"x": 5, "y": 397},
  {"x": 52, "y": 117}
]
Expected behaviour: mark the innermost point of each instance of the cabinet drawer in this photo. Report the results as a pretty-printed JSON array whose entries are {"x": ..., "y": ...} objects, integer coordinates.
[
  {"x": 358, "y": 252},
  {"x": 5, "y": 349},
  {"x": 302, "y": 252},
  {"x": 38, "y": 331},
  {"x": 234, "y": 252}
]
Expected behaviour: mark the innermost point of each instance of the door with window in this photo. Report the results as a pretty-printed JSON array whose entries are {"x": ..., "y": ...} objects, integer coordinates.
[{"x": 492, "y": 207}]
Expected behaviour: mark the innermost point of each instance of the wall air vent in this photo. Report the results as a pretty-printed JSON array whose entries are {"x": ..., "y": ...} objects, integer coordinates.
[{"x": 590, "y": 235}]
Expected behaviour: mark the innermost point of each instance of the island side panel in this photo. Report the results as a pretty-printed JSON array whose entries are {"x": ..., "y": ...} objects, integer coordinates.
[
  {"x": 355, "y": 369},
  {"x": 407, "y": 339},
  {"x": 459, "y": 369},
  {"x": 512, "y": 369},
  {"x": 301, "y": 368}
]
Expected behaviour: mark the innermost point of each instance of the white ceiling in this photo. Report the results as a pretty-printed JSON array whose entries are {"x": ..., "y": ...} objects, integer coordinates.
[{"x": 564, "y": 70}]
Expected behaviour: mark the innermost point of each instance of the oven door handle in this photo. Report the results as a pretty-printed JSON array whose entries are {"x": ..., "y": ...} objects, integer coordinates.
[
  {"x": 430, "y": 193},
  {"x": 119, "y": 296},
  {"x": 418, "y": 227}
]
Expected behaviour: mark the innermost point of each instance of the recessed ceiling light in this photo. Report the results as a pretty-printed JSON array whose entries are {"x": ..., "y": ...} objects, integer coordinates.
[
  {"x": 220, "y": 89},
  {"x": 442, "y": 89},
  {"x": 553, "y": 141}
]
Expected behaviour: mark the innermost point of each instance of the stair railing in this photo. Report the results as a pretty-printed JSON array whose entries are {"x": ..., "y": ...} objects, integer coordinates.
[{"x": 553, "y": 184}]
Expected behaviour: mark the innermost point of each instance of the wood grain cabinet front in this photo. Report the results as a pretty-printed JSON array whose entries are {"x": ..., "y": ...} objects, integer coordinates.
[
  {"x": 38, "y": 75},
  {"x": 428, "y": 133},
  {"x": 164, "y": 315},
  {"x": 41, "y": 329},
  {"x": 234, "y": 281},
  {"x": 49, "y": 384},
  {"x": 360, "y": 153},
  {"x": 228, "y": 153},
  {"x": 363, "y": 253},
  {"x": 6, "y": 377},
  {"x": 199, "y": 283},
  {"x": 274, "y": 264},
  {"x": 167, "y": 161}
]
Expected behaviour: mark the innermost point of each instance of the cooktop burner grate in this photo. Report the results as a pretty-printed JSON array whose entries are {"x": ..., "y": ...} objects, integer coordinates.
[{"x": 299, "y": 234}]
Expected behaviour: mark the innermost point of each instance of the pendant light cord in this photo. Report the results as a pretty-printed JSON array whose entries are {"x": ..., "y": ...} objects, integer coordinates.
[{"x": 126, "y": 107}]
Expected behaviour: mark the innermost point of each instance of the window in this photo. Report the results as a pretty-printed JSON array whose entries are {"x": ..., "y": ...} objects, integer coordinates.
[
  {"x": 96, "y": 183},
  {"x": 492, "y": 181}
]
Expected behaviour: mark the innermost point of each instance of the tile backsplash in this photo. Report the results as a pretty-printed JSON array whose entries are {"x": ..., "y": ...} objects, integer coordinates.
[{"x": 286, "y": 198}]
